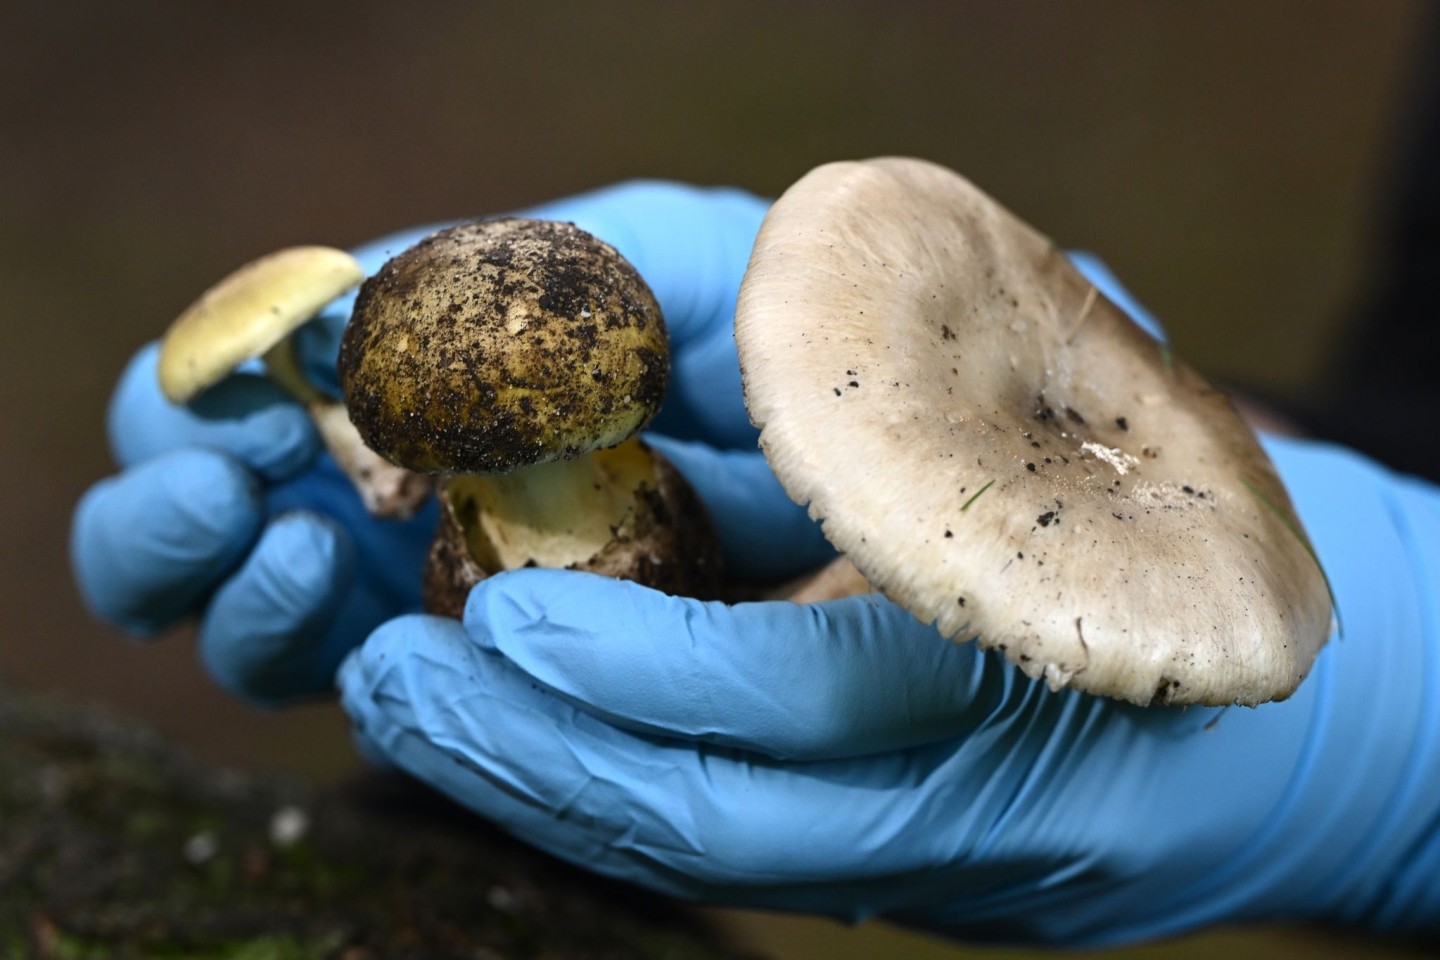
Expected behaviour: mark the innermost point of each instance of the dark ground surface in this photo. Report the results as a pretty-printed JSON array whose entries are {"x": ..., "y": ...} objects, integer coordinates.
[{"x": 115, "y": 844}]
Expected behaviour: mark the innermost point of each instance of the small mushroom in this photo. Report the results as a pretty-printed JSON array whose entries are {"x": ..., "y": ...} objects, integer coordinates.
[
  {"x": 1000, "y": 450},
  {"x": 250, "y": 315},
  {"x": 518, "y": 359}
]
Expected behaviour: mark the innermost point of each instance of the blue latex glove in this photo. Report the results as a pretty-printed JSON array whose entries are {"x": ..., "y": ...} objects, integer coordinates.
[
  {"x": 227, "y": 511},
  {"x": 843, "y": 759},
  {"x": 837, "y": 758}
]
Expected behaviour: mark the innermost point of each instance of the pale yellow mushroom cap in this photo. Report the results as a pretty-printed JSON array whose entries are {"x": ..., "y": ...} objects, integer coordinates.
[
  {"x": 248, "y": 312},
  {"x": 1000, "y": 450}
]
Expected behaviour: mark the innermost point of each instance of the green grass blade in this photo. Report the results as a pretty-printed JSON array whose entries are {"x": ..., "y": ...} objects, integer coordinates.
[{"x": 976, "y": 496}]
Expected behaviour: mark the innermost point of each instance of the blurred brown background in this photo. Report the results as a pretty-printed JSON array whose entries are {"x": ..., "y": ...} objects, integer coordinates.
[{"x": 1229, "y": 159}]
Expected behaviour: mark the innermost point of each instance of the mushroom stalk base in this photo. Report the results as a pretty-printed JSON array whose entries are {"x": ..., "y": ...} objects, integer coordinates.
[
  {"x": 624, "y": 512},
  {"x": 554, "y": 514}
]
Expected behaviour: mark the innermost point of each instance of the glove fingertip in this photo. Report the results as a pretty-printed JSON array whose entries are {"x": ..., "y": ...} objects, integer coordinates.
[
  {"x": 398, "y": 638},
  {"x": 246, "y": 415},
  {"x": 404, "y": 666},
  {"x": 263, "y": 634},
  {"x": 147, "y": 544},
  {"x": 517, "y": 602},
  {"x": 136, "y": 409},
  {"x": 764, "y": 677},
  {"x": 578, "y": 633}
]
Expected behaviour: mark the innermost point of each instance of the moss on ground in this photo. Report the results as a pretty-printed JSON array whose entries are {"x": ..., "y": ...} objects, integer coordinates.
[{"x": 114, "y": 844}]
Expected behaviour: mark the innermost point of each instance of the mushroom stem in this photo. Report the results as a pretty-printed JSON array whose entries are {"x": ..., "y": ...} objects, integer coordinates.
[
  {"x": 623, "y": 512},
  {"x": 555, "y": 514},
  {"x": 386, "y": 489}
]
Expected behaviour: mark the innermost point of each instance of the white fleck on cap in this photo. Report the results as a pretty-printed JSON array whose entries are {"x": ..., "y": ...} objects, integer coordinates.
[{"x": 1000, "y": 450}]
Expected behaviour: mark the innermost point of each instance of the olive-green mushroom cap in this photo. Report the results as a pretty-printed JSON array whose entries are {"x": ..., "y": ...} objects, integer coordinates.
[{"x": 497, "y": 344}]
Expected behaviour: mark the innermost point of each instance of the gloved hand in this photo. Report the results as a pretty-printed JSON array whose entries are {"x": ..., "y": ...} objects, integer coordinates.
[
  {"x": 838, "y": 758},
  {"x": 843, "y": 759},
  {"x": 229, "y": 511}
]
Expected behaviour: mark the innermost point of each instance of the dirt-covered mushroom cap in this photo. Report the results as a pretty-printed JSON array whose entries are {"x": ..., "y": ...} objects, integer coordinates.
[
  {"x": 248, "y": 312},
  {"x": 498, "y": 344},
  {"x": 1000, "y": 450}
]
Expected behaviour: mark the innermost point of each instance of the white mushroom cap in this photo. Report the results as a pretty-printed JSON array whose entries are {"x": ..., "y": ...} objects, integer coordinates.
[
  {"x": 248, "y": 312},
  {"x": 1000, "y": 450}
]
